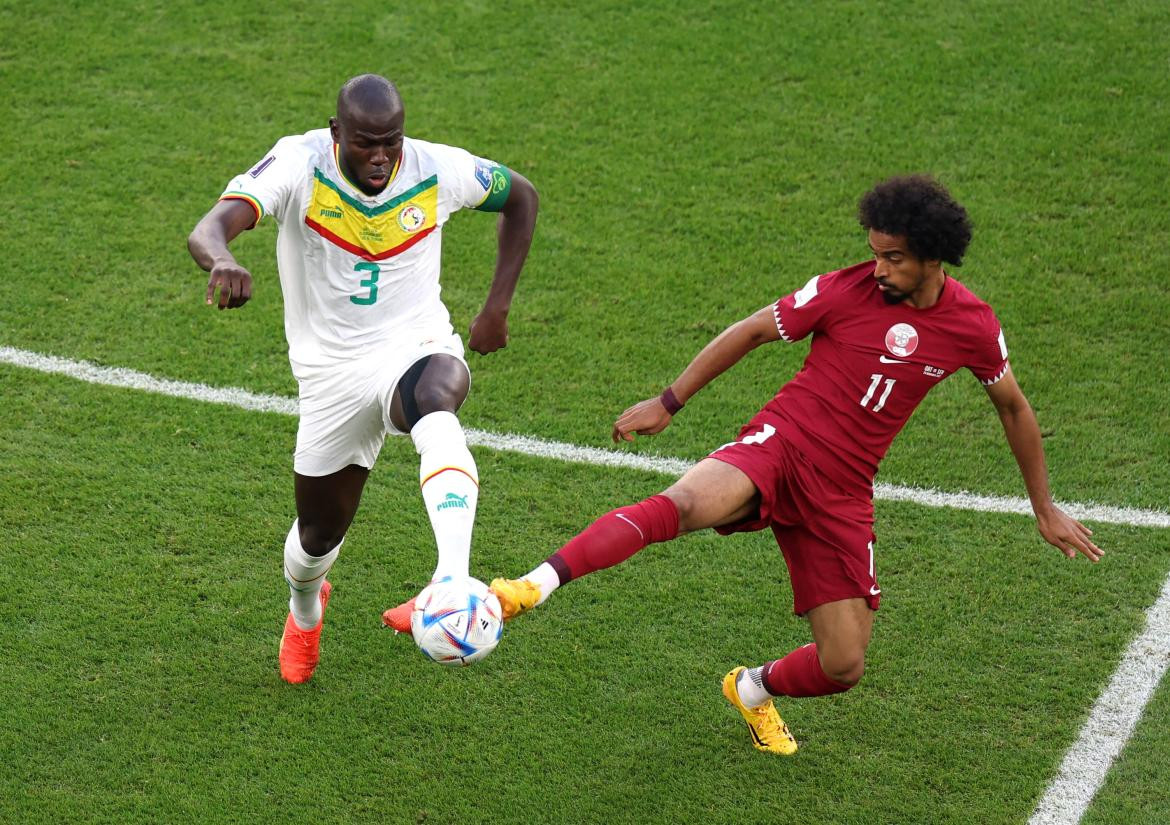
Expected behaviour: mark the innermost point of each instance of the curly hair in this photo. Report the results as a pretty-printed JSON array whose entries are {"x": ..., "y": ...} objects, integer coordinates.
[{"x": 936, "y": 226}]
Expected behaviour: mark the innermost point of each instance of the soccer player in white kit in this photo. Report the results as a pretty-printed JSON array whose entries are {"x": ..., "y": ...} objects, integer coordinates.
[{"x": 360, "y": 209}]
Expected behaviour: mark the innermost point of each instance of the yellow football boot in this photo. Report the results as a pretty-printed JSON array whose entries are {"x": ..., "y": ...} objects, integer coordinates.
[
  {"x": 769, "y": 733},
  {"x": 516, "y": 595}
]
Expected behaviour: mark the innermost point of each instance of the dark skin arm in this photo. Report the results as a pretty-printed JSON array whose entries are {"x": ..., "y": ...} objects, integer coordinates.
[
  {"x": 489, "y": 330},
  {"x": 208, "y": 245}
]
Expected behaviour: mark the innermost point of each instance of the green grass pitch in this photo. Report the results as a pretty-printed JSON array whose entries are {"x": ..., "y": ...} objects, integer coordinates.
[{"x": 695, "y": 161}]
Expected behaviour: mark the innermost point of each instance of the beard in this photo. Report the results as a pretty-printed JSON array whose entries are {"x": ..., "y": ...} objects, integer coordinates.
[{"x": 892, "y": 298}]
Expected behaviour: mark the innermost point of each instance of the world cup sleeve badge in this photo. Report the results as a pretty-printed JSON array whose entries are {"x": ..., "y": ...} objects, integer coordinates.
[
  {"x": 483, "y": 173},
  {"x": 261, "y": 166}
]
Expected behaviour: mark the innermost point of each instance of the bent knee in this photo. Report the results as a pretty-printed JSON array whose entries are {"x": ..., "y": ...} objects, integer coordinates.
[
  {"x": 433, "y": 399},
  {"x": 684, "y": 500},
  {"x": 442, "y": 386},
  {"x": 844, "y": 669},
  {"x": 687, "y": 504},
  {"x": 319, "y": 539}
]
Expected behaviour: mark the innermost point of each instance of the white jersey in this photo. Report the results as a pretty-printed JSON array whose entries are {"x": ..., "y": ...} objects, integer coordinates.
[{"x": 358, "y": 271}]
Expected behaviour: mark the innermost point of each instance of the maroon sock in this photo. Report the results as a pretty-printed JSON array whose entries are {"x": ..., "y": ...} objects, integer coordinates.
[
  {"x": 615, "y": 537},
  {"x": 800, "y": 674}
]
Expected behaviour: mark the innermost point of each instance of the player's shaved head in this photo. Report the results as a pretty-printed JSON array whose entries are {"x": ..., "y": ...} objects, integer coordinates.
[
  {"x": 368, "y": 97},
  {"x": 368, "y": 131}
]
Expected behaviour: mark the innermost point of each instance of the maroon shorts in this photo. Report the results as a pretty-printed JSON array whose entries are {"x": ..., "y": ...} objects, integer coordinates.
[{"x": 824, "y": 532}]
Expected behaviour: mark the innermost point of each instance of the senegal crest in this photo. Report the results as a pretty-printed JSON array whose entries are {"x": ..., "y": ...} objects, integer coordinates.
[{"x": 412, "y": 217}]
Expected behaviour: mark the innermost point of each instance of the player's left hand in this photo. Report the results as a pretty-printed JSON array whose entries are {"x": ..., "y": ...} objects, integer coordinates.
[
  {"x": 489, "y": 332},
  {"x": 647, "y": 417},
  {"x": 1067, "y": 534}
]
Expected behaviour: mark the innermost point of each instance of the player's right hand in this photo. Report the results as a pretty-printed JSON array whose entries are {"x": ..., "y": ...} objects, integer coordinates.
[
  {"x": 234, "y": 283},
  {"x": 647, "y": 417},
  {"x": 1067, "y": 534}
]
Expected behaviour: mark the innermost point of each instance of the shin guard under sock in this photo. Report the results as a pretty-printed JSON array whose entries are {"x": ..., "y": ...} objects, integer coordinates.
[{"x": 615, "y": 537}]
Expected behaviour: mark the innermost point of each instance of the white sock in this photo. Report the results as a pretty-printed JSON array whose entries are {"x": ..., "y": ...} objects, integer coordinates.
[
  {"x": 305, "y": 575},
  {"x": 545, "y": 578},
  {"x": 750, "y": 687},
  {"x": 450, "y": 489}
]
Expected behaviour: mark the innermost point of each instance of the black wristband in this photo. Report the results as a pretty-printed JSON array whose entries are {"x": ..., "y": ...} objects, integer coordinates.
[{"x": 670, "y": 401}]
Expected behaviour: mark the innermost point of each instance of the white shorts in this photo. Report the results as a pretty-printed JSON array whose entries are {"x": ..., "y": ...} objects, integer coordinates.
[{"x": 345, "y": 408}]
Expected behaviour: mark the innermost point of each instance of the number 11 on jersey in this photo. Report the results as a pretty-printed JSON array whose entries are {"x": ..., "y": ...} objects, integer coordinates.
[{"x": 874, "y": 381}]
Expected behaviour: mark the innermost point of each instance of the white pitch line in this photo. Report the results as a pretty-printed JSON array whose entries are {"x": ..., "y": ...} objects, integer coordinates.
[
  {"x": 1111, "y": 721},
  {"x": 529, "y": 445},
  {"x": 1084, "y": 511},
  {"x": 131, "y": 379}
]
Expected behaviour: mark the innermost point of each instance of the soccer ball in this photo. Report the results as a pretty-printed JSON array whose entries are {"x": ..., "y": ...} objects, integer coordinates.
[{"x": 456, "y": 621}]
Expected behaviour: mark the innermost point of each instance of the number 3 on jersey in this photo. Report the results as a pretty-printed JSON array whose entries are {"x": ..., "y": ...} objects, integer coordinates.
[
  {"x": 874, "y": 381},
  {"x": 371, "y": 282}
]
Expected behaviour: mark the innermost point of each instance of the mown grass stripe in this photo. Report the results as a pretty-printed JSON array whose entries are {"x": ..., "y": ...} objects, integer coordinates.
[
  {"x": 530, "y": 445},
  {"x": 1111, "y": 721}
]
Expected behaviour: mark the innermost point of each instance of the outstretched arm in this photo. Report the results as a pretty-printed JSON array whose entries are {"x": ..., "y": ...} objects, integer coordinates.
[
  {"x": 728, "y": 347},
  {"x": 208, "y": 244},
  {"x": 1023, "y": 435},
  {"x": 489, "y": 330}
]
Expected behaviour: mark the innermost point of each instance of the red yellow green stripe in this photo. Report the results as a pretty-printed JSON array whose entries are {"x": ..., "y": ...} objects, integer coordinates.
[
  {"x": 365, "y": 253},
  {"x": 474, "y": 480},
  {"x": 378, "y": 232},
  {"x": 374, "y": 211},
  {"x": 248, "y": 199}
]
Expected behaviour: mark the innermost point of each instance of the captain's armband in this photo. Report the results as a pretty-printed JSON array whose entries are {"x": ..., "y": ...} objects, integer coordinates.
[{"x": 499, "y": 184}]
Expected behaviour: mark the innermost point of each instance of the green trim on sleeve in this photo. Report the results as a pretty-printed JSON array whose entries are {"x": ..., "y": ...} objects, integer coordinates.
[
  {"x": 251, "y": 200},
  {"x": 498, "y": 194}
]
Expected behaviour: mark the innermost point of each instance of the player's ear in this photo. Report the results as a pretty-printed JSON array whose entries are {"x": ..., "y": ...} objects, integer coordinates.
[{"x": 334, "y": 130}]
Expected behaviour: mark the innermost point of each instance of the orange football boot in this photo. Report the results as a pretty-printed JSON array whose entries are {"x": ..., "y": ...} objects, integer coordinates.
[
  {"x": 398, "y": 618},
  {"x": 301, "y": 649}
]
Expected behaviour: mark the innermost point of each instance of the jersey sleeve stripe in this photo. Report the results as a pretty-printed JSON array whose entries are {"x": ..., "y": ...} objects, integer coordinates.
[
  {"x": 780, "y": 323},
  {"x": 248, "y": 199},
  {"x": 995, "y": 378}
]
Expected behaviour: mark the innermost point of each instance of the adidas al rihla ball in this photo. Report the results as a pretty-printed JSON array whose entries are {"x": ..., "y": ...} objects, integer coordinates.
[{"x": 456, "y": 621}]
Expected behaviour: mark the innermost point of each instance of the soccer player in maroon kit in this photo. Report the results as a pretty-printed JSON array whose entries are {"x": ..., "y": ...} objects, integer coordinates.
[{"x": 884, "y": 332}]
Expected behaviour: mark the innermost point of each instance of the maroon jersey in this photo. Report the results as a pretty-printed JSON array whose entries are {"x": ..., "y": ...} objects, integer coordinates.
[{"x": 871, "y": 363}]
